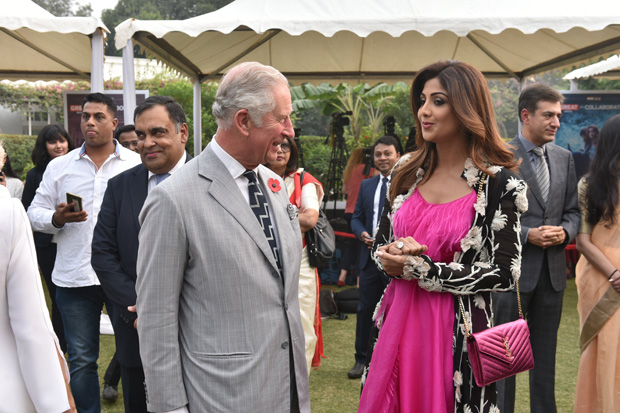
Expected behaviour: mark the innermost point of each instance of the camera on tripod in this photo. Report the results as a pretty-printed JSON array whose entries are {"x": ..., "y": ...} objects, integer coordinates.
[
  {"x": 388, "y": 125},
  {"x": 367, "y": 160},
  {"x": 340, "y": 119}
]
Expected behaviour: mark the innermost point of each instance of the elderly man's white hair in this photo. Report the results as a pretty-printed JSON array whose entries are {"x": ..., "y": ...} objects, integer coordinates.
[{"x": 248, "y": 86}]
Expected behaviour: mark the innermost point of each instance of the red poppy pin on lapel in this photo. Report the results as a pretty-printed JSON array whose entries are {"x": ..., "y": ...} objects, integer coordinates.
[{"x": 274, "y": 185}]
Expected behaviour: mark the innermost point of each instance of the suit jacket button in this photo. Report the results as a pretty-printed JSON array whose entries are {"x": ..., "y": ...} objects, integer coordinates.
[
  {"x": 285, "y": 345},
  {"x": 286, "y": 307}
]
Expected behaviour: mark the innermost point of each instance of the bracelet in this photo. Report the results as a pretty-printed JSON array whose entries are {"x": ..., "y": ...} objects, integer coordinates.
[
  {"x": 611, "y": 275},
  {"x": 55, "y": 224}
]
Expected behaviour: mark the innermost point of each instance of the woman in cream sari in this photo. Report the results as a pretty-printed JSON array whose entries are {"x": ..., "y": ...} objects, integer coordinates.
[{"x": 598, "y": 277}]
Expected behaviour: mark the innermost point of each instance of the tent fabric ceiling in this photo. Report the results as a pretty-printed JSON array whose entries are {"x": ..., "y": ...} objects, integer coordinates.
[
  {"x": 36, "y": 45},
  {"x": 353, "y": 40}
]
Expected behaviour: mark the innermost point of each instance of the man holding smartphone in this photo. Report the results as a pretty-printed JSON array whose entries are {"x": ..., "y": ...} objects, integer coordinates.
[
  {"x": 372, "y": 194},
  {"x": 83, "y": 172}
]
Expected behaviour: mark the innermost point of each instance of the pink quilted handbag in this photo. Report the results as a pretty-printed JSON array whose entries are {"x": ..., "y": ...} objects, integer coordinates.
[{"x": 499, "y": 352}]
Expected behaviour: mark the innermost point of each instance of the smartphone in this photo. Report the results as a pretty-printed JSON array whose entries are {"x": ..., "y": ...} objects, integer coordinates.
[{"x": 77, "y": 199}]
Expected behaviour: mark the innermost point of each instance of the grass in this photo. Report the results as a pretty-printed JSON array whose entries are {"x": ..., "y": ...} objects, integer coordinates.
[{"x": 332, "y": 391}]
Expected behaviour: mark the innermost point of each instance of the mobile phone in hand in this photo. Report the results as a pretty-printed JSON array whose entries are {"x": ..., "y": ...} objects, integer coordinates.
[{"x": 78, "y": 202}]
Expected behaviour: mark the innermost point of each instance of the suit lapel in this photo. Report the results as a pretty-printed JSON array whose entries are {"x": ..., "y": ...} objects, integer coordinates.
[
  {"x": 224, "y": 190},
  {"x": 527, "y": 171},
  {"x": 554, "y": 170},
  {"x": 138, "y": 192},
  {"x": 370, "y": 203}
]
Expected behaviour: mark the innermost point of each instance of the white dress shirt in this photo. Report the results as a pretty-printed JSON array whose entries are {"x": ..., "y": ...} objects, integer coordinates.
[
  {"x": 376, "y": 214},
  {"x": 76, "y": 173},
  {"x": 152, "y": 181}
]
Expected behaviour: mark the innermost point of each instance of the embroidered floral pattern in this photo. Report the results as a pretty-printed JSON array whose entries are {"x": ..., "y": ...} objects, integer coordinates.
[
  {"x": 456, "y": 266},
  {"x": 415, "y": 267},
  {"x": 481, "y": 204},
  {"x": 499, "y": 220},
  {"x": 479, "y": 301},
  {"x": 471, "y": 172},
  {"x": 458, "y": 382},
  {"x": 473, "y": 239}
]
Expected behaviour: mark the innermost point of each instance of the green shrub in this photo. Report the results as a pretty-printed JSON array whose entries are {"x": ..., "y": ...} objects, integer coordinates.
[
  {"x": 316, "y": 156},
  {"x": 19, "y": 148}
]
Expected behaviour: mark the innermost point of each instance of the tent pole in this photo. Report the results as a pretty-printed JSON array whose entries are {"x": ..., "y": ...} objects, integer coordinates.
[
  {"x": 574, "y": 85},
  {"x": 96, "y": 63},
  {"x": 197, "y": 117},
  {"x": 129, "y": 83}
]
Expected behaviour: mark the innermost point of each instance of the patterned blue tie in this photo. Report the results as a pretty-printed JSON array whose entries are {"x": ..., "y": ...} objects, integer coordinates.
[{"x": 260, "y": 207}]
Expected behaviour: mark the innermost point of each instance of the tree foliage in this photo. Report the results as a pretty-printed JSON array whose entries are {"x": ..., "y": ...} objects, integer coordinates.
[
  {"x": 363, "y": 104},
  {"x": 61, "y": 8}
]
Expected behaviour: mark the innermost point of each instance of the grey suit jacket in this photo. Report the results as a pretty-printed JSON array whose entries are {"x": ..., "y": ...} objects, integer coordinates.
[
  {"x": 561, "y": 209},
  {"x": 216, "y": 319}
]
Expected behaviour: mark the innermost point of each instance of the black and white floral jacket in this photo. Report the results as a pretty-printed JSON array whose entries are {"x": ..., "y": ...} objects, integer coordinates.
[{"x": 490, "y": 261}]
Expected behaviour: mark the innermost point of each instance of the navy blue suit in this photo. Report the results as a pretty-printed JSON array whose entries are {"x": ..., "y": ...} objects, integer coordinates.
[
  {"x": 114, "y": 256},
  {"x": 372, "y": 282}
]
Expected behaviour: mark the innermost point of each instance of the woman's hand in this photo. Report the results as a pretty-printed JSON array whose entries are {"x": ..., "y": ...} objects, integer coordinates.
[
  {"x": 393, "y": 255},
  {"x": 615, "y": 281}
]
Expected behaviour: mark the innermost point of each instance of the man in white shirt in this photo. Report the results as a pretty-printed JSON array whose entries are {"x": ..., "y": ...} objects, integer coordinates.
[{"x": 84, "y": 172}]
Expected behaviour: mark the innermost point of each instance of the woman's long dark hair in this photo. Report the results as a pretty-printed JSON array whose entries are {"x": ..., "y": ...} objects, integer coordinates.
[
  {"x": 471, "y": 102},
  {"x": 604, "y": 176},
  {"x": 293, "y": 160},
  {"x": 50, "y": 133}
]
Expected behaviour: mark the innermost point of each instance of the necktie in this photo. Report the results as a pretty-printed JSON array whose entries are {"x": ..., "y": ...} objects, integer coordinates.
[
  {"x": 382, "y": 196},
  {"x": 258, "y": 203},
  {"x": 542, "y": 172},
  {"x": 160, "y": 177}
]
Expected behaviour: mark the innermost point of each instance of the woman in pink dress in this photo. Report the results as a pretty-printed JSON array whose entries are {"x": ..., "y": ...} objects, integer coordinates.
[{"x": 450, "y": 230}]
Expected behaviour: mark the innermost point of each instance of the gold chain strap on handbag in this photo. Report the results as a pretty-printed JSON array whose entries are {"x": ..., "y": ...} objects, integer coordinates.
[{"x": 462, "y": 307}]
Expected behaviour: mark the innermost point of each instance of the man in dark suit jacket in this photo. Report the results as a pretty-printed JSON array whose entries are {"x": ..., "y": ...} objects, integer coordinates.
[
  {"x": 162, "y": 133},
  {"x": 549, "y": 224},
  {"x": 386, "y": 153}
]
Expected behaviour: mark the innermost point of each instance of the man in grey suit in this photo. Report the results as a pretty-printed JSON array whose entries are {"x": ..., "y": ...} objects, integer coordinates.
[
  {"x": 218, "y": 261},
  {"x": 546, "y": 228}
]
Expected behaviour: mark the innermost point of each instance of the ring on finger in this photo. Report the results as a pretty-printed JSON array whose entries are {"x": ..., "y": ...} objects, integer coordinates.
[{"x": 400, "y": 245}]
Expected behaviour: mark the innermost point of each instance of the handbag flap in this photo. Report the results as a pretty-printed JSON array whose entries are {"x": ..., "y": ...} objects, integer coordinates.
[{"x": 502, "y": 342}]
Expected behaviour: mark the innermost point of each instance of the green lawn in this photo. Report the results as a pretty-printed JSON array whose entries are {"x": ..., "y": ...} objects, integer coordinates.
[{"x": 332, "y": 391}]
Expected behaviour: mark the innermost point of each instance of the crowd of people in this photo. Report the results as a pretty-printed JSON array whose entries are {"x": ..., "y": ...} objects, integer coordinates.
[{"x": 203, "y": 267}]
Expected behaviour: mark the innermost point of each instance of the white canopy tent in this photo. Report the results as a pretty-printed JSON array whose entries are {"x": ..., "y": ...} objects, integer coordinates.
[
  {"x": 36, "y": 45},
  {"x": 370, "y": 41},
  {"x": 609, "y": 68}
]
